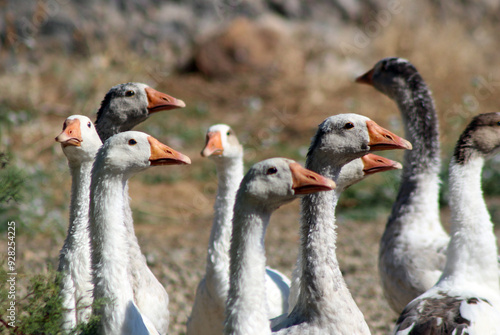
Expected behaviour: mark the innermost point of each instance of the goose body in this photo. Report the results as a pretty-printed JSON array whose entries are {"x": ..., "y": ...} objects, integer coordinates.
[
  {"x": 124, "y": 107},
  {"x": 79, "y": 142},
  {"x": 120, "y": 157},
  {"x": 466, "y": 299},
  {"x": 207, "y": 315},
  {"x": 324, "y": 304},
  {"x": 267, "y": 186},
  {"x": 413, "y": 247}
]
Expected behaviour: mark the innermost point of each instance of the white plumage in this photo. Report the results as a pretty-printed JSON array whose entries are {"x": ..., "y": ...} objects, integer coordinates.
[
  {"x": 207, "y": 316},
  {"x": 79, "y": 142},
  {"x": 267, "y": 185},
  {"x": 120, "y": 157}
]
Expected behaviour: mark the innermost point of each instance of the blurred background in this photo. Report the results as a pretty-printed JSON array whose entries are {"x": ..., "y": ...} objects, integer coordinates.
[{"x": 272, "y": 69}]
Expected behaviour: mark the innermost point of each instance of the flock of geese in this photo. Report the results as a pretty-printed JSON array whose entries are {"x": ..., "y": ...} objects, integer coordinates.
[{"x": 438, "y": 283}]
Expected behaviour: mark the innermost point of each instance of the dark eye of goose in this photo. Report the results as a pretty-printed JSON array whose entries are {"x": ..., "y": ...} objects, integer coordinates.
[
  {"x": 129, "y": 93},
  {"x": 348, "y": 125},
  {"x": 228, "y": 132},
  {"x": 132, "y": 142},
  {"x": 498, "y": 123},
  {"x": 272, "y": 170},
  {"x": 89, "y": 124}
]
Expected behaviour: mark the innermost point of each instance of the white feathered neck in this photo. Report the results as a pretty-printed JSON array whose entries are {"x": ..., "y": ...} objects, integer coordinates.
[
  {"x": 472, "y": 251},
  {"x": 229, "y": 175}
]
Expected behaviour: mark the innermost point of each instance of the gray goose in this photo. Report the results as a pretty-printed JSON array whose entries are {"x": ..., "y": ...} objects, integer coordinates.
[
  {"x": 413, "y": 247},
  {"x": 124, "y": 107},
  {"x": 324, "y": 304}
]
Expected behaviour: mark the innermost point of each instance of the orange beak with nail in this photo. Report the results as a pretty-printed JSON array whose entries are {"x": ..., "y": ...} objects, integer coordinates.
[{"x": 306, "y": 181}]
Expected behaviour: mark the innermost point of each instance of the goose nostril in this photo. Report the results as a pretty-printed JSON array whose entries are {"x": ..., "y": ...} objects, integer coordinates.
[{"x": 389, "y": 137}]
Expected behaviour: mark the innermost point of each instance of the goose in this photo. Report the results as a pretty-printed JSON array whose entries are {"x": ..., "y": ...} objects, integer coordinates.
[
  {"x": 412, "y": 250},
  {"x": 79, "y": 143},
  {"x": 350, "y": 174},
  {"x": 120, "y": 157},
  {"x": 266, "y": 186},
  {"x": 207, "y": 315},
  {"x": 324, "y": 304},
  {"x": 124, "y": 107},
  {"x": 466, "y": 299}
]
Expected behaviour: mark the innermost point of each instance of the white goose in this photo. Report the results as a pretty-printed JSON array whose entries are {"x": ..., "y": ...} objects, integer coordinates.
[
  {"x": 267, "y": 186},
  {"x": 124, "y": 107},
  {"x": 413, "y": 247},
  {"x": 207, "y": 315},
  {"x": 466, "y": 299},
  {"x": 350, "y": 174},
  {"x": 120, "y": 157},
  {"x": 324, "y": 304},
  {"x": 79, "y": 142}
]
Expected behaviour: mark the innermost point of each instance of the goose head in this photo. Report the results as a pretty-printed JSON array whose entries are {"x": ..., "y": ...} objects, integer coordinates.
[
  {"x": 391, "y": 76},
  {"x": 127, "y": 105},
  {"x": 277, "y": 181},
  {"x": 481, "y": 138},
  {"x": 358, "y": 169},
  {"x": 130, "y": 152},
  {"x": 79, "y": 139},
  {"x": 221, "y": 142},
  {"x": 342, "y": 138}
]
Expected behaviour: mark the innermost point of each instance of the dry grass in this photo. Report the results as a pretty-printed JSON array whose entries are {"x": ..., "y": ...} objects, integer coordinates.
[{"x": 274, "y": 115}]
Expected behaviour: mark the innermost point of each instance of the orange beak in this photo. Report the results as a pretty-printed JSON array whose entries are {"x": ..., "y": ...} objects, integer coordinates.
[
  {"x": 158, "y": 101},
  {"x": 164, "y": 155},
  {"x": 383, "y": 139},
  {"x": 305, "y": 181},
  {"x": 374, "y": 163},
  {"x": 213, "y": 145},
  {"x": 366, "y": 78},
  {"x": 71, "y": 134}
]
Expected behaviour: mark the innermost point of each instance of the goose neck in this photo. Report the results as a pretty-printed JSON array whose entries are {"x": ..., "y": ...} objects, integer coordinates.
[
  {"x": 472, "y": 251},
  {"x": 109, "y": 245},
  {"x": 421, "y": 128},
  {"x": 247, "y": 309},
  {"x": 79, "y": 205},
  {"x": 229, "y": 174}
]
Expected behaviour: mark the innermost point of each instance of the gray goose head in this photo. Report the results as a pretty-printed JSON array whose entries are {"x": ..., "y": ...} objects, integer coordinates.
[
  {"x": 481, "y": 138},
  {"x": 392, "y": 76},
  {"x": 342, "y": 138},
  {"x": 127, "y": 105},
  {"x": 274, "y": 182}
]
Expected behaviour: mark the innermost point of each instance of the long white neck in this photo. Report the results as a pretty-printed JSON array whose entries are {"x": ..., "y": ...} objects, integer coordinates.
[
  {"x": 323, "y": 292},
  {"x": 77, "y": 239},
  {"x": 229, "y": 175},
  {"x": 110, "y": 249},
  {"x": 472, "y": 251},
  {"x": 247, "y": 310}
]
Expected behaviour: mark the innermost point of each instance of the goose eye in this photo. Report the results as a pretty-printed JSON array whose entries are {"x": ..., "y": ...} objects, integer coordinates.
[
  {"x": 498, "y": 123},
  {"x": 132, "y": 142},
  {"x": 272, "y": 170},
  {"x": 348, "y": 125},
  {"x": 228, "y": 132},
  {"x": 129, "y": 93},
  {"x": 89, "y": 124}
]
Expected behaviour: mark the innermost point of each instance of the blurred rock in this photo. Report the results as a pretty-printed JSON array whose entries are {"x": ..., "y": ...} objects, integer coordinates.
[{"x": 245, "y": 46}]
